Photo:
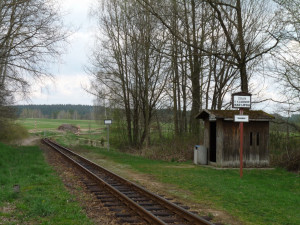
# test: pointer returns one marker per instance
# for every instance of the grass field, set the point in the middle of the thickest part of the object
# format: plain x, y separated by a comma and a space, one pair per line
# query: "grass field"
52, 124
261, 197
42, 198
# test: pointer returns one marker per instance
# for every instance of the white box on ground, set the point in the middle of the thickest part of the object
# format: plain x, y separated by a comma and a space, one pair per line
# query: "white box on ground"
200, 155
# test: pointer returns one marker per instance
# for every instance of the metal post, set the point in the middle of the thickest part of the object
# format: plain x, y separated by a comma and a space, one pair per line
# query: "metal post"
108, 123
241, 144
108, 137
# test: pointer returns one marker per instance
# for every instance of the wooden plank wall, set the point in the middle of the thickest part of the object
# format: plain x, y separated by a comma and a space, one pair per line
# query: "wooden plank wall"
228, 143
255, 155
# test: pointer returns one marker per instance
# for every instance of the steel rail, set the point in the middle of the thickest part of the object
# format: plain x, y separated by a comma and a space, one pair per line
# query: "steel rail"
131, 204
145, 214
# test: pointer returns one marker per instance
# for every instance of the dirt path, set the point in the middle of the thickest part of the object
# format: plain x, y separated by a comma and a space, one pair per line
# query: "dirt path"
30, 141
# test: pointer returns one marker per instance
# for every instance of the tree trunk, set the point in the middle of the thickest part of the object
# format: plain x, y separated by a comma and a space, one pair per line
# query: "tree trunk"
244, 77
242, 63
195, 79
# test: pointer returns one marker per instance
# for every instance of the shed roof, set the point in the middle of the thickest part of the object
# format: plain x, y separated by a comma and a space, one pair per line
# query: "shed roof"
254, 115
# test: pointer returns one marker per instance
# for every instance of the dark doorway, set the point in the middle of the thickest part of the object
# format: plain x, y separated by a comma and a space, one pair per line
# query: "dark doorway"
212, 142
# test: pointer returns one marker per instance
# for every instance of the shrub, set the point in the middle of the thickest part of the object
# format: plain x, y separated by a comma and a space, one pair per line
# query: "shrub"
176, 149
285, 151
11, 131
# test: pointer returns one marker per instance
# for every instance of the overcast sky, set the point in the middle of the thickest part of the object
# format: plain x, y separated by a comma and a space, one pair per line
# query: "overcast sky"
69, 74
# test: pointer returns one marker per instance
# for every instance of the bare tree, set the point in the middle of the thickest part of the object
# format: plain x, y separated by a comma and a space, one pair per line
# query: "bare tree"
31, 37
194, 52
128, 67
289, 15
250, 31
287, 57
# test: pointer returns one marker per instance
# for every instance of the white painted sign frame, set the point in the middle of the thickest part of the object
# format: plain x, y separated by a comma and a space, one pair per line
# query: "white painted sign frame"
240, 101
241, 118
107, 122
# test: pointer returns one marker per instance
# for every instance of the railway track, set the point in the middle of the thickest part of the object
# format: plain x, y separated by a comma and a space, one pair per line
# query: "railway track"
133, 203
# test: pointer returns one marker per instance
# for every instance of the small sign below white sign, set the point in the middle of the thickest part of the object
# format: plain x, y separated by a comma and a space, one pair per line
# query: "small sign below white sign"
107, 122
212, 118
241, 101
241, 118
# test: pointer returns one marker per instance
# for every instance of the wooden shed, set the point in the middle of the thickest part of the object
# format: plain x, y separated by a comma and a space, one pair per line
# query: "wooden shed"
222, 138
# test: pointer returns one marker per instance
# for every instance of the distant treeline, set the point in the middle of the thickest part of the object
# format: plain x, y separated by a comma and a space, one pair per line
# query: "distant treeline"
57, 111
295, 118
90, 112
84, 112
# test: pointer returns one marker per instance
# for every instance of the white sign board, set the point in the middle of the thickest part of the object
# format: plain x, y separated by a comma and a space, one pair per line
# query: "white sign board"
241, 118
212, 118
241, 101
107, 122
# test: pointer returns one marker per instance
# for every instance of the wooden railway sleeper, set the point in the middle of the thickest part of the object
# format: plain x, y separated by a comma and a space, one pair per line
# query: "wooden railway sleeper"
143, 212
127, 201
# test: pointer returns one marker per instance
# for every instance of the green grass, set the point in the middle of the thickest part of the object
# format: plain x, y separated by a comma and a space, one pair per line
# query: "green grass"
42, 198
261, 197
70, 139
42, 124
